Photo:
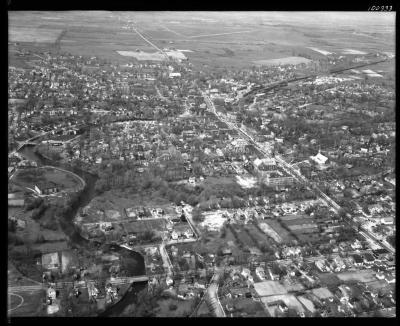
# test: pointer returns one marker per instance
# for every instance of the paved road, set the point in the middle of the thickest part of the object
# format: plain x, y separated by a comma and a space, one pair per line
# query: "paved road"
82, 284
212, 295
296, 174
152, 44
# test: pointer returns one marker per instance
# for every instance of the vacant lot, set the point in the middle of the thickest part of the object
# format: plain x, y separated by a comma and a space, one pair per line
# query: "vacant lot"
268, 288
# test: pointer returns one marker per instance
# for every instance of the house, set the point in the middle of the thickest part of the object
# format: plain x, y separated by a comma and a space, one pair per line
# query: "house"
106, 226
245, 273
320, 265
387, 220
260, 273
320, 160
358, 261
47, 188
131, 213
174, 235
368, 259
380, 253
188, 233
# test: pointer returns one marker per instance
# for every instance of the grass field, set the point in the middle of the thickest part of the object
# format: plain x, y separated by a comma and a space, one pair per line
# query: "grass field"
269, 288
35, 176
32, 305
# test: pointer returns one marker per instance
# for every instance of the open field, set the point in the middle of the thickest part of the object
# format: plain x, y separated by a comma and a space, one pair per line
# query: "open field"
40, 35
350, 51
324, 52
294, 217
269, 288
216, 39
306, 303
183, 308
362, 276
155, 56
36, 176
283, 234
322, 293
329, 279
282, 61
270, 232
244, 238
31, 305
213, 220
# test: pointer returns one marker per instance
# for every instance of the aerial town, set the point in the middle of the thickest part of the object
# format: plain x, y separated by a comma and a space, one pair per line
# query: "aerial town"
161, 187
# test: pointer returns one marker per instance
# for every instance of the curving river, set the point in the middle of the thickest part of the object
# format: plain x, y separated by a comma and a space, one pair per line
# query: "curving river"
136, 268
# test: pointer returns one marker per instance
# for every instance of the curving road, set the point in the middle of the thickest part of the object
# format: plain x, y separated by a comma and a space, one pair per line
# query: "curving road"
211, 295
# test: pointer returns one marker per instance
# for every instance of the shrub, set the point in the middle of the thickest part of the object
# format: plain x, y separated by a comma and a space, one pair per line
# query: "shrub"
173, 307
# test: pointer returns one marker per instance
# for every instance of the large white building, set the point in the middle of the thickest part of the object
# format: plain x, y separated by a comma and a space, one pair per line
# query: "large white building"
320, 161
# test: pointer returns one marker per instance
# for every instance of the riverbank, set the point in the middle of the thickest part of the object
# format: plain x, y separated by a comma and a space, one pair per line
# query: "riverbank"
134, 261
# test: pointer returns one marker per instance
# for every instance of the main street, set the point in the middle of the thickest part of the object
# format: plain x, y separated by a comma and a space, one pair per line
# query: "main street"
297, 175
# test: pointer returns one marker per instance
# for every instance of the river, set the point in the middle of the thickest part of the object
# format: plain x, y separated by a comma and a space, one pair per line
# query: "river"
136, 268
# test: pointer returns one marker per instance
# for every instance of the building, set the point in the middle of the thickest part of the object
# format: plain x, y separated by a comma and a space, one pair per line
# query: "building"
51, 261
263, 166
320, 161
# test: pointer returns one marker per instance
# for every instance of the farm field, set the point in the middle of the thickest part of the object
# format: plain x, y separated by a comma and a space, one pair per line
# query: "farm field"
269, 231
283, 234
216, 39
